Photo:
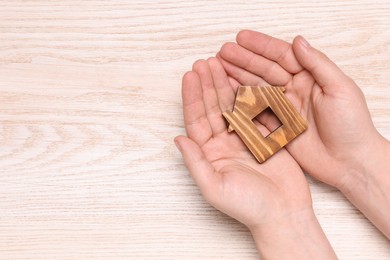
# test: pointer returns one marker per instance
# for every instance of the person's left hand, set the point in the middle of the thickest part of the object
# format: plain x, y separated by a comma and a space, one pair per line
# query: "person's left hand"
226, 172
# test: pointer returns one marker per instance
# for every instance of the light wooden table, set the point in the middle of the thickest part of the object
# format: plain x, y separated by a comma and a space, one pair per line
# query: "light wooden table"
90, 102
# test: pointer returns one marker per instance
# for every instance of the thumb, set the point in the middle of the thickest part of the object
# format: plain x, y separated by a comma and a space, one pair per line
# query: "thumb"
199, 167
325, 72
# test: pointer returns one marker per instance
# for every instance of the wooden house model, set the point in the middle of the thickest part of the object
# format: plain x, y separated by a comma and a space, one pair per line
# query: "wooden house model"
250, 102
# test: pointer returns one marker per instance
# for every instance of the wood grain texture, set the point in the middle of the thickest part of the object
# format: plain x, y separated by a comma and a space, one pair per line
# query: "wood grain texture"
89, 104
251, 102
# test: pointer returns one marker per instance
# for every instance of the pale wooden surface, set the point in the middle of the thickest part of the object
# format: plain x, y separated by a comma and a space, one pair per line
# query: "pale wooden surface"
90, 102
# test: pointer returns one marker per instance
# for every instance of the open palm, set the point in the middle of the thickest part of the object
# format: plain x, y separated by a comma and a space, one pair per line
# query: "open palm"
331, 102
226, 172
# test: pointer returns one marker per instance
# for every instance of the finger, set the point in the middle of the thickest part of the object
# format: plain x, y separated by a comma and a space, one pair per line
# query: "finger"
244, 77
195, 120
225, 93
271, 48
202, 172
234, 83
267, 69
210, 98
324, 71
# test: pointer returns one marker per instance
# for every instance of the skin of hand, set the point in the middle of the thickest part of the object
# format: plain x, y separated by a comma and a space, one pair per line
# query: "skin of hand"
341, 146
272, 199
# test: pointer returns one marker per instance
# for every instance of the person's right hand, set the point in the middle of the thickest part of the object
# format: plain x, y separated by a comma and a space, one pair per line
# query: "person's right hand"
341, 138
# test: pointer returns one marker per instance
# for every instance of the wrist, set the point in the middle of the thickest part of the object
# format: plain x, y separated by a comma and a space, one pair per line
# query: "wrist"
368, 186
294, 236
369, 167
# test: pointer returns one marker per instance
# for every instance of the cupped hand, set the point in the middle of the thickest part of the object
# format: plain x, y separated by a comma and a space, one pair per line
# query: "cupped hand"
341, 137
227, 174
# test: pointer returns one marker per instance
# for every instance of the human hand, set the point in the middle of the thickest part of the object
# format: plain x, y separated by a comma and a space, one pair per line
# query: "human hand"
341, 146
335, 146
272, 199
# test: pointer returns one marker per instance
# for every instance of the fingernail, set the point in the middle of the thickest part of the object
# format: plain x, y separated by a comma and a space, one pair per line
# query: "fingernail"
304, 42
177, 145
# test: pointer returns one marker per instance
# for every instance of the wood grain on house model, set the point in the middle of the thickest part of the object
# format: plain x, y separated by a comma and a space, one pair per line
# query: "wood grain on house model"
250, 102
